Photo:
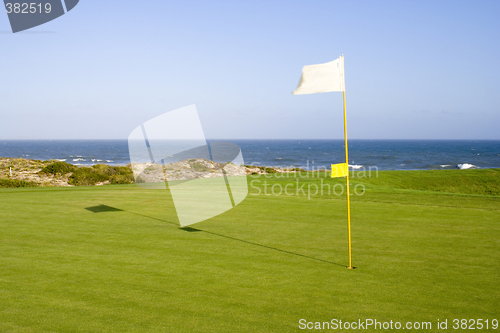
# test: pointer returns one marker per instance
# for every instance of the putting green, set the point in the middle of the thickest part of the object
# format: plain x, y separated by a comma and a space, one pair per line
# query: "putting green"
113, 258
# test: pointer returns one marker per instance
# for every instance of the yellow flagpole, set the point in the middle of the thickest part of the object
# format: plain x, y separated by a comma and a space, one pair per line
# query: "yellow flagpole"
347, 184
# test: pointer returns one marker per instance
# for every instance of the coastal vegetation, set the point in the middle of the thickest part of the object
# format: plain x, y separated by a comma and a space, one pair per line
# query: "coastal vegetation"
101, 173
16, 183
61, 168
32, 173
19, 172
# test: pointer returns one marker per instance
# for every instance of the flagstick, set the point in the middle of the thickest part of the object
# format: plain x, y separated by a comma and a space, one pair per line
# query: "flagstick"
347, 181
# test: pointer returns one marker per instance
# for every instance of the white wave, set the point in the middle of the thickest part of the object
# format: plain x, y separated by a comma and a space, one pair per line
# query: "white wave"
278, 158
355, 166
465, 166
78, 159
109, 161
445, 165
61, 160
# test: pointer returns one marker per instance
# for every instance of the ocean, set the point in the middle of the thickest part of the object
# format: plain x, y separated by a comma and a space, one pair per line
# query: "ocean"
307, 154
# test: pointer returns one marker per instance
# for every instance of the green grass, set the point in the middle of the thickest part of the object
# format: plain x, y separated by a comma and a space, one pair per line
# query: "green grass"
113, 259
451, 181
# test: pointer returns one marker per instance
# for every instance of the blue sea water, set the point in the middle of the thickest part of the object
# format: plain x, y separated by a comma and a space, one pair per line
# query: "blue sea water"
384, 154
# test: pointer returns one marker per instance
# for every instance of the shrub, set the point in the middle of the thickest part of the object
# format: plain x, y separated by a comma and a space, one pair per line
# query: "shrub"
100, 173
10, 183
86, 176
295, 169
59, 168
254, 166
269, 170
200, 167
121, 180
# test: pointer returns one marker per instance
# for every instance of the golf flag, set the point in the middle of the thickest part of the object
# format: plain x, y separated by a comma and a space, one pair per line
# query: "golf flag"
322, 78
339, 170
326, 78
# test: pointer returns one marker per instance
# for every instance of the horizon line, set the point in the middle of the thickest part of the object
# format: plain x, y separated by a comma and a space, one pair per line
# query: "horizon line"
262, 139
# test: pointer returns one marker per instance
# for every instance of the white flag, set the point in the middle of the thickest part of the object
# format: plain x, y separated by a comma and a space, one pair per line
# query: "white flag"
322, 78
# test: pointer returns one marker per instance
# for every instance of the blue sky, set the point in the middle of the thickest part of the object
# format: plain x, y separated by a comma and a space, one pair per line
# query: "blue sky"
414, 70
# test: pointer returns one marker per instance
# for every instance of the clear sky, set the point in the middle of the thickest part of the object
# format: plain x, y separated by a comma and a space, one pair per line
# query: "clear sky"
414, 70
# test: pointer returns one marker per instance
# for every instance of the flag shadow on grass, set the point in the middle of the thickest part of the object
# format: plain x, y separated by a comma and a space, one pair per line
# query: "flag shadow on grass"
264, 246
104, 208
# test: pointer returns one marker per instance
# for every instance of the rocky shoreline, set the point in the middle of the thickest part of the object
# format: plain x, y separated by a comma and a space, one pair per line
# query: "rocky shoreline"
27, 172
